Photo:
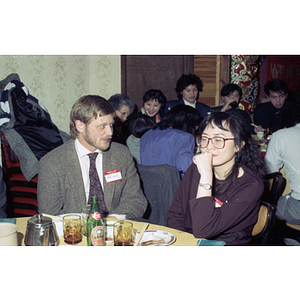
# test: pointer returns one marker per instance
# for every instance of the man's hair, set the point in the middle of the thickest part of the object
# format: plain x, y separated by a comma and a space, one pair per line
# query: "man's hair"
186, 80
87, 108
230, 88
119, 100
155, 94
277, 86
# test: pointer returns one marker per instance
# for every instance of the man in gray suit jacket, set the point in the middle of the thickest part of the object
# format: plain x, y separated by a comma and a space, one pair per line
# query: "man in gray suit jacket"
63, 184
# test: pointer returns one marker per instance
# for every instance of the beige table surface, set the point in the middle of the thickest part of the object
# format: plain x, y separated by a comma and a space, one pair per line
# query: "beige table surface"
182, 238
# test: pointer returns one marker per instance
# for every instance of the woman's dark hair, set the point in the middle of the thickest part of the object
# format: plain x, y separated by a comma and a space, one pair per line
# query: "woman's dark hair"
155, 94
186, 80
229, 88
277, 86
141, 125
182, 117
248, 155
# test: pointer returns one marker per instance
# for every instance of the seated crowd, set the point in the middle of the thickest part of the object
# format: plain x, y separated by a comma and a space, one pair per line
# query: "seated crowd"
221, 182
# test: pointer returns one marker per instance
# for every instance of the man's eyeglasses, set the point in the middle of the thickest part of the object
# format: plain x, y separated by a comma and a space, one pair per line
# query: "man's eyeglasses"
218, 142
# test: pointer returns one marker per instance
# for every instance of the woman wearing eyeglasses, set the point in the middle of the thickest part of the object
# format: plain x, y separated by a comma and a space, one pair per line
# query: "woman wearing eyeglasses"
219, 196
124, 107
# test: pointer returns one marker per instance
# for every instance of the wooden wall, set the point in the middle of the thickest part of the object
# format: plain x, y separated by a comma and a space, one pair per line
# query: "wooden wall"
214, 71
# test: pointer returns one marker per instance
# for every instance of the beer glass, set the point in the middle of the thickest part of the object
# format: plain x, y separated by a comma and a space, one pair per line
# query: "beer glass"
72, 229
123, 233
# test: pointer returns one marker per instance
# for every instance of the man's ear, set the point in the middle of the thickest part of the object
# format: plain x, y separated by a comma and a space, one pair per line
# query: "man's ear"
79, 125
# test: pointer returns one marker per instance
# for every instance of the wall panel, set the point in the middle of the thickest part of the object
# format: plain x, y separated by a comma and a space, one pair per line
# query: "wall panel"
59, 80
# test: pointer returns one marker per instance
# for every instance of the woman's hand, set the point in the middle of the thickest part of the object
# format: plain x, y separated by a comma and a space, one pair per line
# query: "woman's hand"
227, 101
258, 129
203, 162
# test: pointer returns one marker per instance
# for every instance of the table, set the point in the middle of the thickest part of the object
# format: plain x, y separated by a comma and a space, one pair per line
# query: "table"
182, 238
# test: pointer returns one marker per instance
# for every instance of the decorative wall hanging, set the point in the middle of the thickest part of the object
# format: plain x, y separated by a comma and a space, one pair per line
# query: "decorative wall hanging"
245, 72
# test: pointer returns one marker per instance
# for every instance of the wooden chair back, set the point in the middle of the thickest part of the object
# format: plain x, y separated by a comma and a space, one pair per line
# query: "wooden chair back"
275, 185
262, 231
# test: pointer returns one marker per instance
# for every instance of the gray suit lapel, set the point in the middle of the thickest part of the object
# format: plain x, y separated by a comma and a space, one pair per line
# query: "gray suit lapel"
109, 188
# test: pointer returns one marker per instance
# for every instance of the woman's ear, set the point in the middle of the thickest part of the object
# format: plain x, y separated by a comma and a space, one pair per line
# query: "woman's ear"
238, 148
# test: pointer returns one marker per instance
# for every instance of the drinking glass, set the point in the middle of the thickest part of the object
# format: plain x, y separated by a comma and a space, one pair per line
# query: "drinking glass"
260, 135
72, 229
84, 215
123, 233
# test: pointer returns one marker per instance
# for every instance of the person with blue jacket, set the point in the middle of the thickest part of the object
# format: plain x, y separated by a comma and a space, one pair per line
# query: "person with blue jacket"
172, 140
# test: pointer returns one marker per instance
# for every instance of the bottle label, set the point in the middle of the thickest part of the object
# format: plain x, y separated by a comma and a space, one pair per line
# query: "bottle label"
95, 215
98, 236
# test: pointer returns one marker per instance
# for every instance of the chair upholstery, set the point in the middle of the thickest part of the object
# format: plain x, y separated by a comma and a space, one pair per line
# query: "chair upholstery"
159, 184
275, 186
262, 231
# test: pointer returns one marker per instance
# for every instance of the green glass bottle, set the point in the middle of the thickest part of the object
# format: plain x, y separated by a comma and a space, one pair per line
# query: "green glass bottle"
95, 226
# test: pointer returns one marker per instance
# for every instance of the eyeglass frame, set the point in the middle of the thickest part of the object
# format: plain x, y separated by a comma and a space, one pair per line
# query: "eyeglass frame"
125, 114
210, 139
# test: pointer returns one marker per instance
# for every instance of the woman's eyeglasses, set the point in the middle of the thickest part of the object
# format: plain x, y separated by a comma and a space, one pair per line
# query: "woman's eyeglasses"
218, 142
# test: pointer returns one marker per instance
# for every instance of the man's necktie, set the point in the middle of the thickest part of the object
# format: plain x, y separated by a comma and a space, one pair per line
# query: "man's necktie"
95, 185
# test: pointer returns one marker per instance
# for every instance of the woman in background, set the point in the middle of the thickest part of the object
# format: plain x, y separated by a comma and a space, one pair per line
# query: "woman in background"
219, 197
187, 89
153, 106
124, 107
172, 141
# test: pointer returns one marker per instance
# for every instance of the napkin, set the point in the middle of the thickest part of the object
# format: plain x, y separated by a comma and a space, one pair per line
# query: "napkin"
59, 227
210, 243
118, 216
8, 220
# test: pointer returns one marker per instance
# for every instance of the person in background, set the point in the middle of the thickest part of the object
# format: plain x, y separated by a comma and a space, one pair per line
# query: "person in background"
231, 95
124, 107
219, 196
64, 181
153, 106
138, 127
267, 115
188, 88
3, 199
283, 151
172, 141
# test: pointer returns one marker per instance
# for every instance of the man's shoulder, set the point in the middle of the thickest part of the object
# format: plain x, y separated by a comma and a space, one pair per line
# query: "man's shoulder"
117, 148
263, 106
287, 132
60, 150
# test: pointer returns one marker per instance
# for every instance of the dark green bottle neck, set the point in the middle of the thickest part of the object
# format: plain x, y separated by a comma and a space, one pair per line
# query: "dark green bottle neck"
94, 205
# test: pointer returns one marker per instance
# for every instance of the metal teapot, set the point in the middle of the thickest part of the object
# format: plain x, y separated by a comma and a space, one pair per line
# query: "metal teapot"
40, 231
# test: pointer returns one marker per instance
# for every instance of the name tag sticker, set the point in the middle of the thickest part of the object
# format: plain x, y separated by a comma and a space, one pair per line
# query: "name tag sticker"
218, 203
113, 175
